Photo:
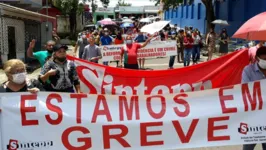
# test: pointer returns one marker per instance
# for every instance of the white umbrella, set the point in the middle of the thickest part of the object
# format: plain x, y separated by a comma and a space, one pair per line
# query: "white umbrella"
154, 27
127, 21
221, 22
147, 20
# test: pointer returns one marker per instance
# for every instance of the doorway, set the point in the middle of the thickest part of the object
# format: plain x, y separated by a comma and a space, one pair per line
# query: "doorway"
11, 42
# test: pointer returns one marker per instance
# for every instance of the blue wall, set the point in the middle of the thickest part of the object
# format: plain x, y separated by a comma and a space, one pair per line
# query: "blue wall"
236, 12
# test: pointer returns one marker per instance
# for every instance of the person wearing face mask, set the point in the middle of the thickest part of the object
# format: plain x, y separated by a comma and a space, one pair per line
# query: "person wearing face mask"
41, 56
60, 72
141, 38
17, 80
106, 40
172, 58
92, 52
81, 43
224, 39
254, 72
210, 42
252, 52
129, 53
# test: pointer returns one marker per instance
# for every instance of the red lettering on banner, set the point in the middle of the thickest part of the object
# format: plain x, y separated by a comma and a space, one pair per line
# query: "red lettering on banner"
134, 103
224, 98
24, 110
150, 110
54, 108
144, 134
178, 128
183, 102
212, 128
118, 137
78, 97
252, 101
85, 140
105, 111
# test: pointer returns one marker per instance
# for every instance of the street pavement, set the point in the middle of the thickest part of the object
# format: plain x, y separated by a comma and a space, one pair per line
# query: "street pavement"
156, 64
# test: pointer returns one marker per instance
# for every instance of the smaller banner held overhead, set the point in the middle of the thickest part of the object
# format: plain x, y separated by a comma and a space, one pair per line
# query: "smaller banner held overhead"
156, 49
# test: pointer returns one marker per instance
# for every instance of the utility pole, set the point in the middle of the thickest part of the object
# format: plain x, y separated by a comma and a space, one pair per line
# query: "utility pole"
47, 26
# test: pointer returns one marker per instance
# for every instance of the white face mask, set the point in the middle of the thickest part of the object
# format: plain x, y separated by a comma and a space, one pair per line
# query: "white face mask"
262, 63
129, 41
19, 78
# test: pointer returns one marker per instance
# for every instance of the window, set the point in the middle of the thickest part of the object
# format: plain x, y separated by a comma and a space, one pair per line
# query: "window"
230, 11
187, 11
173, 11
182, 11
199, 10
176, 13
192, 11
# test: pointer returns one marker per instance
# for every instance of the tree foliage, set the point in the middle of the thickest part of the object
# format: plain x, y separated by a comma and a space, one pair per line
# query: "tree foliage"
123, 3
105, 3
72, 8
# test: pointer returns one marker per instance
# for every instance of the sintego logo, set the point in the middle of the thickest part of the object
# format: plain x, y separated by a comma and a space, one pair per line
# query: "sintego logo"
245, 128
15, 145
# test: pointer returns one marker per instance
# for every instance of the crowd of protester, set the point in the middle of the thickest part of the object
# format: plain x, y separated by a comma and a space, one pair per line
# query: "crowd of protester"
59, 74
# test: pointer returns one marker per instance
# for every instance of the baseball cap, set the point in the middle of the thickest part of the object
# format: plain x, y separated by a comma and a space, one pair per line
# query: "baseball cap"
59, 46
105, 29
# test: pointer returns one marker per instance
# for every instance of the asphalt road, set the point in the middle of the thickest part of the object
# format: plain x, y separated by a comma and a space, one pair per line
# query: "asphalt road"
156, 64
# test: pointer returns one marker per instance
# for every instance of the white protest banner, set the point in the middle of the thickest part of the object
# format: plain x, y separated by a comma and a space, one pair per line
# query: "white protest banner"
154, 49
231, 115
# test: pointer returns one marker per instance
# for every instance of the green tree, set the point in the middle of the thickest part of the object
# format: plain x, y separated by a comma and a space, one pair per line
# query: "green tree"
209, 4
72, 8
105, 3
123, 3
94, 5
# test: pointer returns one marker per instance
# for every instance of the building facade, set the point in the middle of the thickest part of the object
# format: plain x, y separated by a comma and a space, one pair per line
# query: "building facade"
236, 12
17, 28
125, 11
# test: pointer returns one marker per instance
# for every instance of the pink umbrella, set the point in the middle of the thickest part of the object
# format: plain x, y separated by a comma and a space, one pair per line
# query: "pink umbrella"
106, 21
253, 29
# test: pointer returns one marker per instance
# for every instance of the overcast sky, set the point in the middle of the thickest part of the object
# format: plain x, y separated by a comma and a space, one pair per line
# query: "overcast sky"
133, 2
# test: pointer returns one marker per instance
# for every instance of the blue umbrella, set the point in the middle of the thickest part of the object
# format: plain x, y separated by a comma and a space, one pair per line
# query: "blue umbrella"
126, 25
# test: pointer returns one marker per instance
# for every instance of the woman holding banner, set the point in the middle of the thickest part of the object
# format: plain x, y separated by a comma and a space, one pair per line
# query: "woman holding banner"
188, 44
17, 81
129, 53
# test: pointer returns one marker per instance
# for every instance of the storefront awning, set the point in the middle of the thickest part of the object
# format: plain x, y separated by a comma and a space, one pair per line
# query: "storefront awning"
21, 13
151, 11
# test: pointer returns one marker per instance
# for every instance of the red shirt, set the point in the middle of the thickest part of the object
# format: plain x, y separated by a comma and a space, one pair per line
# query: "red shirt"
188, 42
130, 53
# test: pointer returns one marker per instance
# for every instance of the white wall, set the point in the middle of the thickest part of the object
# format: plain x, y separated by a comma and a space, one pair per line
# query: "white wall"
63, 25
